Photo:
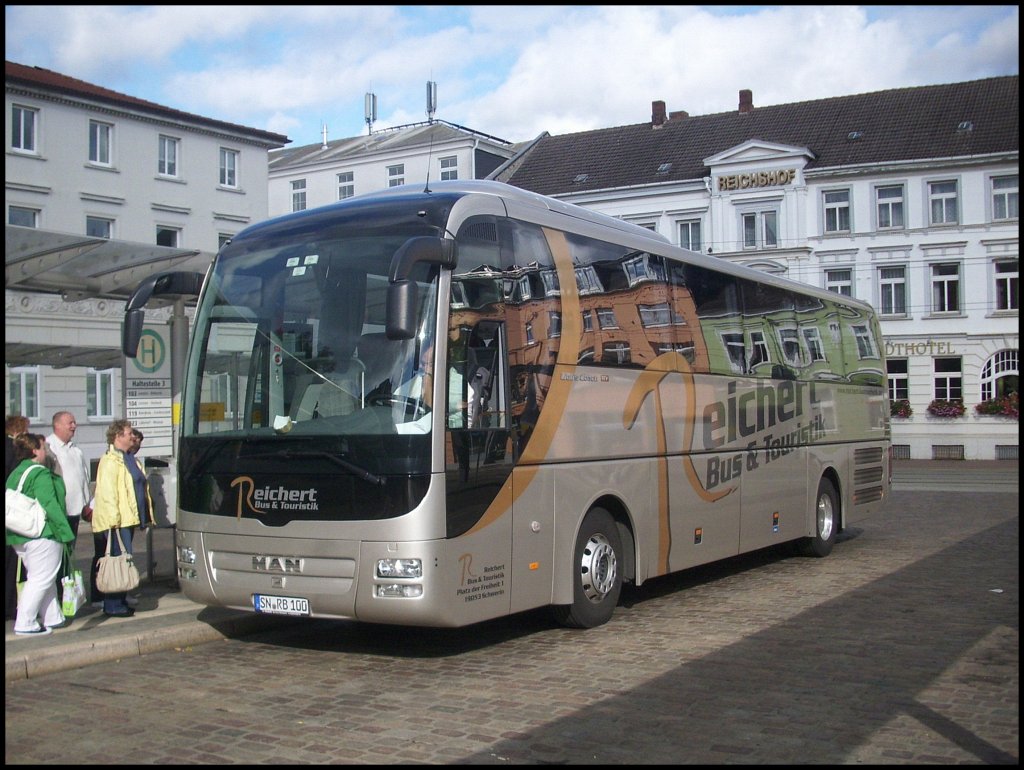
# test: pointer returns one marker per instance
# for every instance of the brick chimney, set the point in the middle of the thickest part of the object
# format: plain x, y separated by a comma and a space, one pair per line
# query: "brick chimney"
657, 114
746, 100
678, 115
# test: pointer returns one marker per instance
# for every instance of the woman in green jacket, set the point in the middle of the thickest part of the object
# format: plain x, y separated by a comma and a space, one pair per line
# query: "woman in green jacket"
43, 555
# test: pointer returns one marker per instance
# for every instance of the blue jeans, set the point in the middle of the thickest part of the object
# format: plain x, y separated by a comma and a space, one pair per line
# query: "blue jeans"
113, 604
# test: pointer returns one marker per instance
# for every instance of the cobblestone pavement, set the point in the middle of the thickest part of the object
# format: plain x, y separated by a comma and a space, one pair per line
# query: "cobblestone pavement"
902, 647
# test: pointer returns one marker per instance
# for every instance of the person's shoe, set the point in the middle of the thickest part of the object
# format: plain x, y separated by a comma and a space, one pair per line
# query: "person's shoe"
131, 601
62, 624
40, 631
98, 604
126, 614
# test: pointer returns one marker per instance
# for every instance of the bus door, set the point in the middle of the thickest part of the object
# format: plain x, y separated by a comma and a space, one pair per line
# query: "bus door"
478, 449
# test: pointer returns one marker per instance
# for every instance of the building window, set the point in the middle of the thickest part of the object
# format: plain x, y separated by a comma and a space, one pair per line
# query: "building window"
889, 205
554, 324
587, 281
1000, 376
899, 378
299, 195
789, 341
837, 211
689, 234
550, 280
1007, 273
449, 168
615, 353
23, 392
657, 315
228, 167
949, 382
167, 236
346, 184
606, 318
893, 290
942, 202
23, 217
946, 288
98, 227
758, 350
1004, 197
760, 230
396, 175
736, 351
99, 386
23, 128
588, 321
840, 281
100, 135
865, 342
643, 268
167, 163
812, 338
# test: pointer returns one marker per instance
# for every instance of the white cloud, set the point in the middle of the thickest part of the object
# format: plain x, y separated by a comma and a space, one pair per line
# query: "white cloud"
510, 71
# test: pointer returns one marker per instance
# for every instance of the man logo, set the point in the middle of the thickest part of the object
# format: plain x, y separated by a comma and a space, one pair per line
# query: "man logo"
287, 564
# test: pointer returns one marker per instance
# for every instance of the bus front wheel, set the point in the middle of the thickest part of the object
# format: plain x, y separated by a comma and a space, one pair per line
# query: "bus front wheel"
826, 521
597, 573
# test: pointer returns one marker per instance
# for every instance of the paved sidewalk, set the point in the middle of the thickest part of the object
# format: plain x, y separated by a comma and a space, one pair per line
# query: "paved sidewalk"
165, 619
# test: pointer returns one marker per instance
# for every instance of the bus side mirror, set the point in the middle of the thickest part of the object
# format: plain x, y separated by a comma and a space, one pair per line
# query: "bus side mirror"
401, 298
161, 284
401, 309
132, 331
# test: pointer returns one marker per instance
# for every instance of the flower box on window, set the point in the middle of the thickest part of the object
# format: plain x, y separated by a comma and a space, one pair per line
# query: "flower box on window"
900, 408
941, 407
1004, 406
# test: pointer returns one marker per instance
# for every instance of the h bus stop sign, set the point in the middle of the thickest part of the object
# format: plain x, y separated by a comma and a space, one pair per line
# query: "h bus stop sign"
148, 405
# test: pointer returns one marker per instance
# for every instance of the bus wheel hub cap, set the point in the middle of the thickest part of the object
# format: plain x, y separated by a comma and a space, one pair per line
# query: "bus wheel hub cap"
598, 568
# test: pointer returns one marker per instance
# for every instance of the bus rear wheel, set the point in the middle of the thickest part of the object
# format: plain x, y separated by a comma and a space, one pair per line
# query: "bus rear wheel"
826, 521
597, 573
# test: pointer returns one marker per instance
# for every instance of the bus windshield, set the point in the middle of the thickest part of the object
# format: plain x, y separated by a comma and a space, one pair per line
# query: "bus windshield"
290, 343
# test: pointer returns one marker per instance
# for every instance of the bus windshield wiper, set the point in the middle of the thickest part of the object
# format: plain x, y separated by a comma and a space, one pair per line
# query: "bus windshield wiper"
338, 460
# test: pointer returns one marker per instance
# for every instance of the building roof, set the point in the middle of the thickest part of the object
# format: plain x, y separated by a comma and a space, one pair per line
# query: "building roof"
975, 118
47, 80
398, 138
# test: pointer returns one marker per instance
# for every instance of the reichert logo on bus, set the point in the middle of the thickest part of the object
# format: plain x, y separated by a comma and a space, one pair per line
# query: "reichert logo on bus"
260, 500
726, 421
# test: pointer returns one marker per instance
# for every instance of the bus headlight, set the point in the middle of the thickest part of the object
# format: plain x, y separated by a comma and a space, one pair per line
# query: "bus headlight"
399, 568
398, 591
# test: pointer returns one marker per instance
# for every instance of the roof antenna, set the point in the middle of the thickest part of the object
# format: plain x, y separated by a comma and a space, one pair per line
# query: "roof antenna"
370, 109
431, 109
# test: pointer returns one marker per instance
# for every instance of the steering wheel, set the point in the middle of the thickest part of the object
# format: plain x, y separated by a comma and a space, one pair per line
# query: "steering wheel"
412, 406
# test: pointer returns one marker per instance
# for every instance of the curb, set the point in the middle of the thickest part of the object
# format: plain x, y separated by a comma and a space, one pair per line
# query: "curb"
34, 663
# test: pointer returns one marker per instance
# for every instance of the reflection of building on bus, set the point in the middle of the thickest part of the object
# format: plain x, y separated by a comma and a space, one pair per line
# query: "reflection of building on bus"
599, 407
887, 197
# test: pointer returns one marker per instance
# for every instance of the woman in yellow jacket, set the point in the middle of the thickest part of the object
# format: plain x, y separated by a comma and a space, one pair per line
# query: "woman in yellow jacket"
122, 501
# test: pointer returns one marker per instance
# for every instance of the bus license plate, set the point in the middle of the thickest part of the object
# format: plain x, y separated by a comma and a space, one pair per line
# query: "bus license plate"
280, 605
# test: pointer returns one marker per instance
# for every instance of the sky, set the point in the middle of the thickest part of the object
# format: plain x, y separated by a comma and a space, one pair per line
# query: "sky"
509, 71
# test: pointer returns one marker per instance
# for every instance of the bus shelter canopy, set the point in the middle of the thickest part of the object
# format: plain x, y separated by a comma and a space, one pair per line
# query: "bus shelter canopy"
78, 267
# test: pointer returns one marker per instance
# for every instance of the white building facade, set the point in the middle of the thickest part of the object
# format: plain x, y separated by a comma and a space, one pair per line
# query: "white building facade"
84, 166
315, 175
931, 241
